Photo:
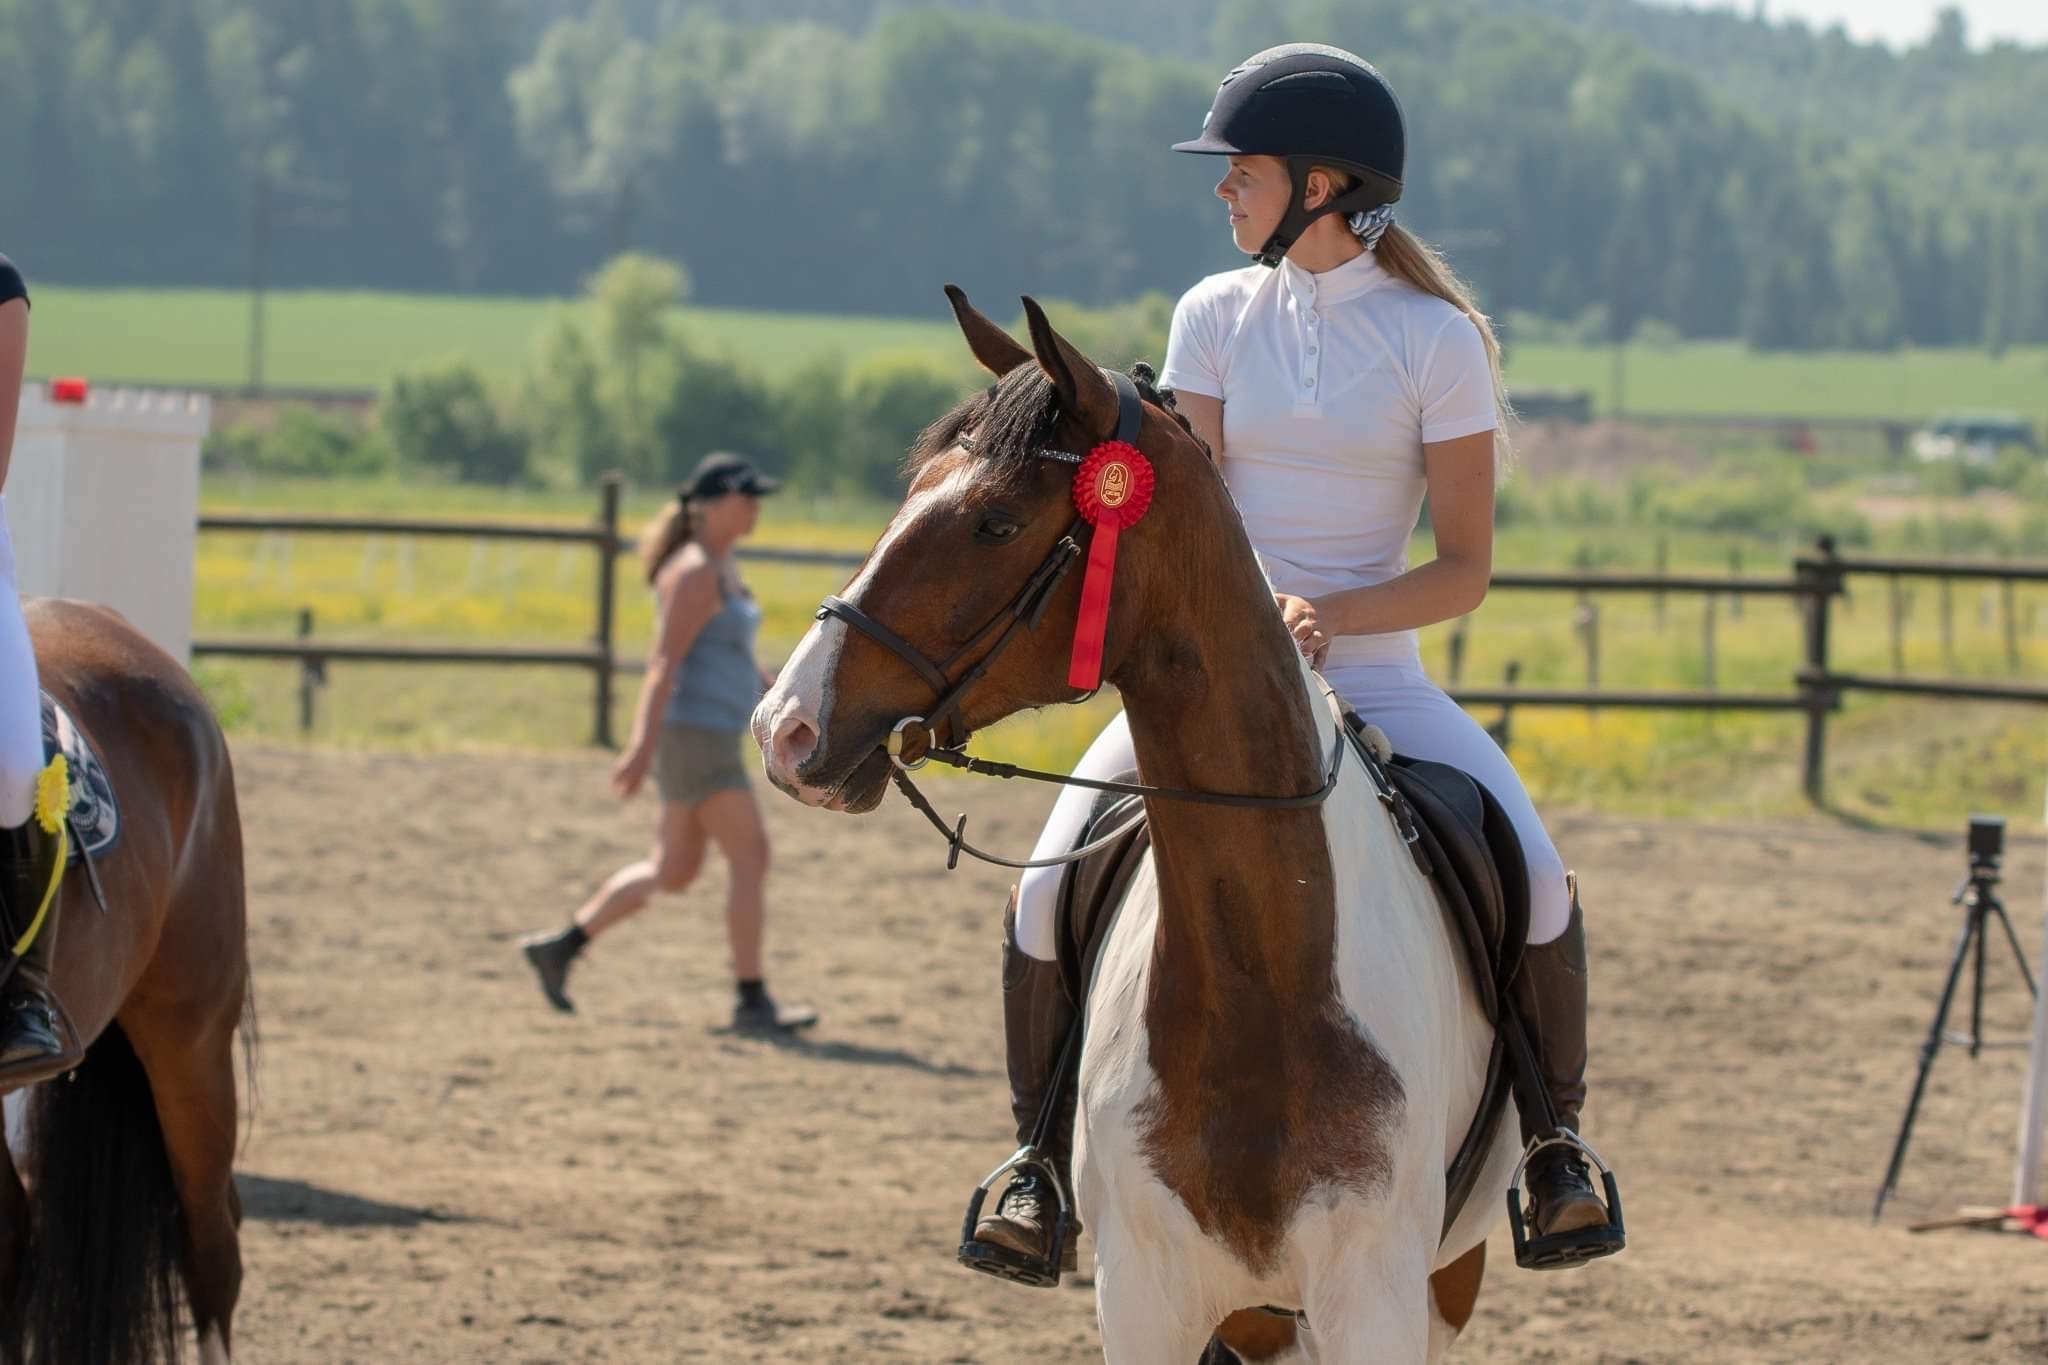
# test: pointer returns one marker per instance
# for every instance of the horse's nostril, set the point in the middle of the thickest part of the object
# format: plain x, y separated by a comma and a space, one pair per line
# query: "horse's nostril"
794, 742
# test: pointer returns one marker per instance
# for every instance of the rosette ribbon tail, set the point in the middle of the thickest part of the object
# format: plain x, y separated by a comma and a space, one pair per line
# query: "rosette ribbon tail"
1084, 671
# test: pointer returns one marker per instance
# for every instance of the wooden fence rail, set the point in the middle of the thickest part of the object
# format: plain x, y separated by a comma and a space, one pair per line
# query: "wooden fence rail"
1817, 580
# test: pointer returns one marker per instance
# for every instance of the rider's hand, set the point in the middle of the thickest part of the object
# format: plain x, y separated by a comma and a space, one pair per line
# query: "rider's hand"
631, 769
1299, 614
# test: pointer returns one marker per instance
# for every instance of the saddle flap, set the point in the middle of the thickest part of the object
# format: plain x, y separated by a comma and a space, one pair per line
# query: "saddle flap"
1091, 889
1480, 851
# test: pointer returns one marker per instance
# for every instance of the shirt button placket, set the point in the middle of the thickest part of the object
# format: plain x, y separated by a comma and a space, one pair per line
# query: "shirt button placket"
1311, 361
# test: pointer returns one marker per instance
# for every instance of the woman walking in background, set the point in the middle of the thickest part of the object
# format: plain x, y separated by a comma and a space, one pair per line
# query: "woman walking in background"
698, 696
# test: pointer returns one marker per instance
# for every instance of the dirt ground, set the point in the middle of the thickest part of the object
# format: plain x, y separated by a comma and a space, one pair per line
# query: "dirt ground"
440, 1169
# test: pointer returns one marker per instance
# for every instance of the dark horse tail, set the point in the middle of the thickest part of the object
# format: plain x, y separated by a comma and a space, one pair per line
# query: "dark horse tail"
97, 1277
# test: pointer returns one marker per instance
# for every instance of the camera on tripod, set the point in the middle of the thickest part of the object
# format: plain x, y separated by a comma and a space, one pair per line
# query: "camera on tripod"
1987, 842
1978, 895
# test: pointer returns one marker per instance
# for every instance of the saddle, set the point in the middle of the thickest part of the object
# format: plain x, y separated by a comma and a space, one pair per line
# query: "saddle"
1460, 838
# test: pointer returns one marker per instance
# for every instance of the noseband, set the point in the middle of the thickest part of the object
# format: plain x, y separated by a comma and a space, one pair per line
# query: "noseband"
1024, 611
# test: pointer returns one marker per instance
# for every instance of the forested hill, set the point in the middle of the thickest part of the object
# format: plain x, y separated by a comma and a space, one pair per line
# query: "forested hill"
1590, 159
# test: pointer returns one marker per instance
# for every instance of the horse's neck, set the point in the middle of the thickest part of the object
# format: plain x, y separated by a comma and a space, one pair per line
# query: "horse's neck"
1246, 897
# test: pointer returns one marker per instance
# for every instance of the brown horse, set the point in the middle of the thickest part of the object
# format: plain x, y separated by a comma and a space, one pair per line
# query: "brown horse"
120, 1177
1283, 1048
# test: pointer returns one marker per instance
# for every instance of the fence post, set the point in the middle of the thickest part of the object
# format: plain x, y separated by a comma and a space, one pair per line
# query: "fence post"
1898, 604
607, 582
1735, 571
1455, 646
312, 672
1707, 647
1948, 626
1663, 570
2012, 625
1588, 622
1502, 729
1820, 580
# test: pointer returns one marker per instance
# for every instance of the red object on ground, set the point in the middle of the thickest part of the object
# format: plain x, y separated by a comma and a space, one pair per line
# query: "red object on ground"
69, 390
1112, 490
2032, 1218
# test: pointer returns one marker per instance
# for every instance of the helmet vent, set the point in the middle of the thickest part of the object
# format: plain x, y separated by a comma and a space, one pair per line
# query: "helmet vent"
1328, 80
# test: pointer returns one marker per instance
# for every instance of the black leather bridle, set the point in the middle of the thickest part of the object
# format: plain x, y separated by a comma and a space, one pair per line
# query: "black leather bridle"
1023, 612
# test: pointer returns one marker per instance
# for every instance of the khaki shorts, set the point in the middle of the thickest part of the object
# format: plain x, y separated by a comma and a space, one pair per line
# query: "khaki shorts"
691, 764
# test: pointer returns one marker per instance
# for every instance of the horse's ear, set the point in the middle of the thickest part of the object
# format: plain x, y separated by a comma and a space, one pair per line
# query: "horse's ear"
1085, 392
992, 346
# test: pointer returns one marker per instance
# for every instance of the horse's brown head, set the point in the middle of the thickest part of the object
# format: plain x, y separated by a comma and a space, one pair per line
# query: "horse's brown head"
965, 610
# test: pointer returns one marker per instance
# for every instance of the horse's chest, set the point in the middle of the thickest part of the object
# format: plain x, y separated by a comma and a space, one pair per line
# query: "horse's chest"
1243, 1115
1246, 1136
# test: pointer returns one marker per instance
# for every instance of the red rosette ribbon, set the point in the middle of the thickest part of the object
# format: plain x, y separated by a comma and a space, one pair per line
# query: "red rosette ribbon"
1112, 491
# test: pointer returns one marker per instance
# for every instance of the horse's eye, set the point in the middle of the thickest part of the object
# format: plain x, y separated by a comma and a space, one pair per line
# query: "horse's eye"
997, 529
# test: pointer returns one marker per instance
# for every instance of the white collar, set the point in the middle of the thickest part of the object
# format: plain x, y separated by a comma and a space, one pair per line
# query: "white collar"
1363, 272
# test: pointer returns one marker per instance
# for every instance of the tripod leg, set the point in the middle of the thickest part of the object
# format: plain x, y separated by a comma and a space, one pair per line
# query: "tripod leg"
1927, 1051
1977, 983
2018, 954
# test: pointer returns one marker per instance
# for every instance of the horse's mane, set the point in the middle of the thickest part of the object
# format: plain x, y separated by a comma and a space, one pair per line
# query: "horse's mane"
1014, 418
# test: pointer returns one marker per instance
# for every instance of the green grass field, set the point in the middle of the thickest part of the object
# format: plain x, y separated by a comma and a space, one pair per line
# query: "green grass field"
1892, 762
358, 340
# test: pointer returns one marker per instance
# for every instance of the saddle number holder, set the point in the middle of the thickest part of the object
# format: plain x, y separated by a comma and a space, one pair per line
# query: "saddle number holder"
1038, 1272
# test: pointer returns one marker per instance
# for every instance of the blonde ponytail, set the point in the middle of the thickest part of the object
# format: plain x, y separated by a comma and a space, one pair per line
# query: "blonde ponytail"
1409, 258
666, 534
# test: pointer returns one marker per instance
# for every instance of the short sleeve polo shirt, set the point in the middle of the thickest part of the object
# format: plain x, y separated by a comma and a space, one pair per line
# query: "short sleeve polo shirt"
1331, 385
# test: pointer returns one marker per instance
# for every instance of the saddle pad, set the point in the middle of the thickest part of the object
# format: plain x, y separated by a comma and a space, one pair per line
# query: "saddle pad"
95, 817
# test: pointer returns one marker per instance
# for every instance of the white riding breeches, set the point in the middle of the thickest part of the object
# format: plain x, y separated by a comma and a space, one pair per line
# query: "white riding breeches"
21, 724
1419, 719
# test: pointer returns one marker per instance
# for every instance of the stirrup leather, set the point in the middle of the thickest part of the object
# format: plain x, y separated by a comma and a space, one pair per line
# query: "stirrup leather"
53, 802
1565, 1250
1000, 1261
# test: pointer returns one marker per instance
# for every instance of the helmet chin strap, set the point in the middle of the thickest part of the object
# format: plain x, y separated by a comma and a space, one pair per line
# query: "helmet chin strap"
1358, 199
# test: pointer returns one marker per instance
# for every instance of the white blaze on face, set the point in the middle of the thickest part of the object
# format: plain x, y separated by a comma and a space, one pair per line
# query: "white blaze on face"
790, 722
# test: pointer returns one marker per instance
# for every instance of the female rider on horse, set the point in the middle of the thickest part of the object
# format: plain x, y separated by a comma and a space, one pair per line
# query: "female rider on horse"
1336, 382
36, 1038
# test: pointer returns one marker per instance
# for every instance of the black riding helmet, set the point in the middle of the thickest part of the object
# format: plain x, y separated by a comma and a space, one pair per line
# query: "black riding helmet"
1310, 105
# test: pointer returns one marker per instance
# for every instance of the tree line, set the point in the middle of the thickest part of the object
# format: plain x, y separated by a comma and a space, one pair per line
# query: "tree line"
1596, 163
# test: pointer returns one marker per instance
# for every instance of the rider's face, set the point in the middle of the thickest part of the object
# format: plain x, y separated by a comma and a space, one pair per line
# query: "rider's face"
1256, 190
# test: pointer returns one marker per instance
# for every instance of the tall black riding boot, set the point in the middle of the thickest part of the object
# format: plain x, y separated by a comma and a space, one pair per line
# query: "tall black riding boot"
37, 1040
1017, 1240
1550, 995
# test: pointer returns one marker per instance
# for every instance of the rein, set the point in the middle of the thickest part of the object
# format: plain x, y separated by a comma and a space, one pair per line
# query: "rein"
982, 767
1024, 611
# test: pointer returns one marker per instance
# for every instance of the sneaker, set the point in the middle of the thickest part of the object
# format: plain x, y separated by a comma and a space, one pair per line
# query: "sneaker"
765, 1016
550, 955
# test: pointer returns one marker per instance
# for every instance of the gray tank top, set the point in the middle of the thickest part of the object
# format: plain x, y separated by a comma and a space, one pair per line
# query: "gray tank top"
718, 683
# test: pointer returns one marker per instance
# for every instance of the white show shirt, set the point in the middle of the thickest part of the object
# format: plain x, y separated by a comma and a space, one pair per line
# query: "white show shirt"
1331, 384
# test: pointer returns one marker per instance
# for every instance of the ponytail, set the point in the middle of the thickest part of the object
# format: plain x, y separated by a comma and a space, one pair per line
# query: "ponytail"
666, 534
1407, 257
1410, 259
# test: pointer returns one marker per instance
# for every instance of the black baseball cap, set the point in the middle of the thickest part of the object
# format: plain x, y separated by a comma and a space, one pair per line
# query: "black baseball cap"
721, 472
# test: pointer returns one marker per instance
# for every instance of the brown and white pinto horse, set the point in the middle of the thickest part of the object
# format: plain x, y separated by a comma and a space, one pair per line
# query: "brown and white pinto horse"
1282, 1048
117, 1181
